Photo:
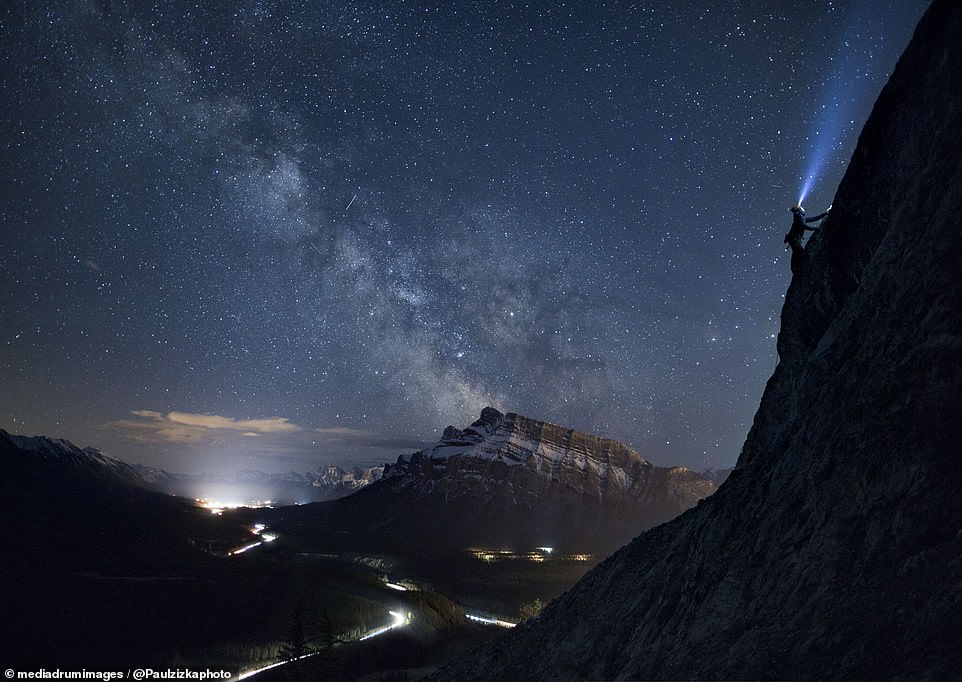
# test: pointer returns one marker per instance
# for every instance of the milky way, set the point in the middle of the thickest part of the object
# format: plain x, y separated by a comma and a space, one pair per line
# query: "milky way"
272, 234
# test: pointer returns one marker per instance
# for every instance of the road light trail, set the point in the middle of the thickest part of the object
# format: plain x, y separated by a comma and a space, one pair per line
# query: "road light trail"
257, 530
400, 620
490, 621
243, 549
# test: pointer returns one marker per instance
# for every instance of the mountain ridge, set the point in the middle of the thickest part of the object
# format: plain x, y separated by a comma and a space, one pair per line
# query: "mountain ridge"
327, 482
62, 456
510, 481
31, 453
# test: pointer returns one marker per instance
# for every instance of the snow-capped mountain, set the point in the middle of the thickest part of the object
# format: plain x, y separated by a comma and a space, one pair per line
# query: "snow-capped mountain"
345, 481
36, 456
33, 457
515, 482
63, 505
327, 483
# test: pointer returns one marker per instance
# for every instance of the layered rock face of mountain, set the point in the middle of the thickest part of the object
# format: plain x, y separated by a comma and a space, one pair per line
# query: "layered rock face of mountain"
525, 483
834, 551
345, 481
508, 481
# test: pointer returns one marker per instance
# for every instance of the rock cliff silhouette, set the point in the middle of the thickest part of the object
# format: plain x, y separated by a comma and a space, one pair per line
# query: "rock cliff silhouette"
835, 548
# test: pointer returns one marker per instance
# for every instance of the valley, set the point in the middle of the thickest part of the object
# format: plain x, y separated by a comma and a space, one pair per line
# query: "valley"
231, 602
404, 573
258, 254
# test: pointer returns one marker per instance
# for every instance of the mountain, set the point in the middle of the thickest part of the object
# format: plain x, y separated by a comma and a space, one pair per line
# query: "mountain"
335, 478
508, 481
99, 569
719, 476
69, 510
834, 550
26, 457
39, 463
329, 482
56, 496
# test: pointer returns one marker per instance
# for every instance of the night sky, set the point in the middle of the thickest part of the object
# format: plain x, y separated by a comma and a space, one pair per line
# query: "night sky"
274, 234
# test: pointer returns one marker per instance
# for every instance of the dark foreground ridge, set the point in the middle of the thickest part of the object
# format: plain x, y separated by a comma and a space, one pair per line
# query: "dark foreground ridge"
835, 550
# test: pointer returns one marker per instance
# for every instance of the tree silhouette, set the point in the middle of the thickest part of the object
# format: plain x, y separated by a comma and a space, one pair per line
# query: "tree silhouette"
325, 637
296, 644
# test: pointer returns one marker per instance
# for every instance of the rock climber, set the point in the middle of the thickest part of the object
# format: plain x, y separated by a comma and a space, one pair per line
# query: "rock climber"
794, 237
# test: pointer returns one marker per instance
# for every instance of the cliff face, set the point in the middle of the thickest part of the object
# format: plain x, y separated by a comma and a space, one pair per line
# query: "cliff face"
835, 549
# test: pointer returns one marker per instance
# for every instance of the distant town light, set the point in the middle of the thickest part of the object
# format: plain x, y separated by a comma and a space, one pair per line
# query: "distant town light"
537, 555
218, 507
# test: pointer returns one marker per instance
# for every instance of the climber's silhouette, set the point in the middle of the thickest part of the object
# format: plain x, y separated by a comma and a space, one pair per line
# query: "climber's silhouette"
797, 231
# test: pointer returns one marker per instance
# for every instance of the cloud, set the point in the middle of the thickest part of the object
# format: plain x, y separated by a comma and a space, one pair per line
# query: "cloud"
368, 439
341, 433
274, 435
191, 428
213, 421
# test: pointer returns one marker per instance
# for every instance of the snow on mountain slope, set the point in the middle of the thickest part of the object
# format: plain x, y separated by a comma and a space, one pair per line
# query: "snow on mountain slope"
39, 455
511, 481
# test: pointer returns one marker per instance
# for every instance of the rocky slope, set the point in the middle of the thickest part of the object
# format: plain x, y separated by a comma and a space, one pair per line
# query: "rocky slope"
508, 481
835, 548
